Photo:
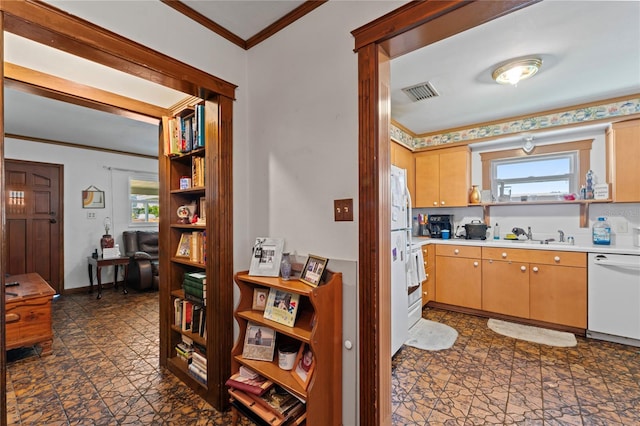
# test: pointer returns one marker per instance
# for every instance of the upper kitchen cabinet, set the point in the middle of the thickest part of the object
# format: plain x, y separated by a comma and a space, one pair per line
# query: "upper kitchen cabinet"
402, 157
623, 151
443, 177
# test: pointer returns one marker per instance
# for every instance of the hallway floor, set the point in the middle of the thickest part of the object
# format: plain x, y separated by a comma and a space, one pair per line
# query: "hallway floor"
489, 379
104, 371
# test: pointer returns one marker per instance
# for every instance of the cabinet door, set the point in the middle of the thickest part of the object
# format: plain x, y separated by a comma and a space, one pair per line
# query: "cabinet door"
623, 151
459, 281
429, 284
505, 288
559, 294
402, 157
427, 180
454, 178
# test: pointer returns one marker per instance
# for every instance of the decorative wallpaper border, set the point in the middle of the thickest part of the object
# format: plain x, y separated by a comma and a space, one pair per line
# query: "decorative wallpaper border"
579, 115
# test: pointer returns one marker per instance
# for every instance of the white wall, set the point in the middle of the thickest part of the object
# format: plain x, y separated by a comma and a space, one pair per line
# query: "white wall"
83, 168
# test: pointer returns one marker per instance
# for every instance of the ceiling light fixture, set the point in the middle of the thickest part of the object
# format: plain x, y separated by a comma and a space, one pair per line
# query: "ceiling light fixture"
516, 71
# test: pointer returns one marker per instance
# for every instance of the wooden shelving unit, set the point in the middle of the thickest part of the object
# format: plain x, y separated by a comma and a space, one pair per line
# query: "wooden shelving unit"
218, 266
323, 395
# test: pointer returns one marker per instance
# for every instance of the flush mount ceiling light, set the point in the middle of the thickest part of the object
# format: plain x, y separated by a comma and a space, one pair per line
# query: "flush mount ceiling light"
516, 71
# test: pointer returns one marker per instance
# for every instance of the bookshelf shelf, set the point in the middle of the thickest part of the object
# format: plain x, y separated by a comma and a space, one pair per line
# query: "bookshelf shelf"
188, 248
318, 324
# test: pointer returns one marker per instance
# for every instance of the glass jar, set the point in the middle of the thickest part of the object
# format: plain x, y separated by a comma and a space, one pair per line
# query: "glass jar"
285, 267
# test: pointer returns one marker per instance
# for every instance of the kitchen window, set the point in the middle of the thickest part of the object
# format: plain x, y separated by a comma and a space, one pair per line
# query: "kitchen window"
547, 174
144, 200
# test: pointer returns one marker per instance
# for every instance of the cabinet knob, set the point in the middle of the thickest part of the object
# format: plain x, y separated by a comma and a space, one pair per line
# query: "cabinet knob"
504, 255
442, 202
435, 203
534, 269
426, 277
475, 264
348, 344
557, 258
523, 268
456, 251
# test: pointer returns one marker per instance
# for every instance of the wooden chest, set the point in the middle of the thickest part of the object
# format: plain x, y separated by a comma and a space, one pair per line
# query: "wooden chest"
28, 312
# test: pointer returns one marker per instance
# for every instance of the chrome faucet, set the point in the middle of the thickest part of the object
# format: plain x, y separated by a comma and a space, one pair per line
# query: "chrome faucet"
561, 235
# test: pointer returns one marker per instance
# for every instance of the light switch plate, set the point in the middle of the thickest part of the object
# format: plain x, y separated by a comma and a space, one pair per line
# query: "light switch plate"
343, 210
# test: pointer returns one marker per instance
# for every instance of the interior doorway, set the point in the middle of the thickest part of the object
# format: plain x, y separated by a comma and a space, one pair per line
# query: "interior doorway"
34, 220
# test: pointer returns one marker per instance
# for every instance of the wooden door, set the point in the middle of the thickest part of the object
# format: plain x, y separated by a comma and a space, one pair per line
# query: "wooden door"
505, 288
427, 180
559, 294
34, 220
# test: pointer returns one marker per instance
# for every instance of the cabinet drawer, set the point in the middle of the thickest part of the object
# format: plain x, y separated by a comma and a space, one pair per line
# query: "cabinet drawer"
458, 251
545, 257
28, 321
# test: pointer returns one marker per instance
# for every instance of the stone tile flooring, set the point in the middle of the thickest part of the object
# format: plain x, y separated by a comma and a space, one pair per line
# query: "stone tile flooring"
489, 379
104, 371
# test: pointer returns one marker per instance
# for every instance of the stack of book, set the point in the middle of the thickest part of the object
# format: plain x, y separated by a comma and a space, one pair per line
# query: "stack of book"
249, 381
195, 287
198, 366
184, 349
275, 406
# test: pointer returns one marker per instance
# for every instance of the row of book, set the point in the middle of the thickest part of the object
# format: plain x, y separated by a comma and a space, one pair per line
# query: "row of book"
271, 402
198, 172
190, 316
185, 133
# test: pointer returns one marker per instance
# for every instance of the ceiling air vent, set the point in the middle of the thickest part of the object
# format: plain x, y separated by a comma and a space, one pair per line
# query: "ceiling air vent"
421, 91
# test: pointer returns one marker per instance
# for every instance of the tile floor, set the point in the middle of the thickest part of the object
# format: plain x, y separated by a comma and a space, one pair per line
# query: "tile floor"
489, 379
104, 371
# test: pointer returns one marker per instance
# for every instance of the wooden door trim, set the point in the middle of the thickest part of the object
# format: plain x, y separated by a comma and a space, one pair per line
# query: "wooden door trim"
60, 214
408, 28
3, 263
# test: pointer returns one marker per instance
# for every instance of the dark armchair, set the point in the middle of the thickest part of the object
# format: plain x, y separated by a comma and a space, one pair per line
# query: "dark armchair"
142, 249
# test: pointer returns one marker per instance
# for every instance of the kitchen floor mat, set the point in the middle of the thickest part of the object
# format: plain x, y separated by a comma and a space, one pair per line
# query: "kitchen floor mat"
532, 334
431, 336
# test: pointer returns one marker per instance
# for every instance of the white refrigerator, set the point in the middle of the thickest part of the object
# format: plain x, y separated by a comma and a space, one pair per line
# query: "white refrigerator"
400, 255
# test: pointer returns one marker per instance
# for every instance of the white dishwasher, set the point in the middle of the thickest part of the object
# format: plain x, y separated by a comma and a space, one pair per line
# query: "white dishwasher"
614, 298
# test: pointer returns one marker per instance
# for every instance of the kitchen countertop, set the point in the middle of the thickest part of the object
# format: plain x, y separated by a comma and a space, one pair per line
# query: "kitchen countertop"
587, 248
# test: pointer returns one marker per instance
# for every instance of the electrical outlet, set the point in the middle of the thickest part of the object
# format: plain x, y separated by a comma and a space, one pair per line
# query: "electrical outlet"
91, 215
343, 210
621, 227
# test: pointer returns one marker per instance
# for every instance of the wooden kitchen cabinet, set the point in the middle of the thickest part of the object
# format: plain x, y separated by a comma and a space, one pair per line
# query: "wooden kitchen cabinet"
543, 285
443, 177
402, 157
623, 151
429, 284
459, 278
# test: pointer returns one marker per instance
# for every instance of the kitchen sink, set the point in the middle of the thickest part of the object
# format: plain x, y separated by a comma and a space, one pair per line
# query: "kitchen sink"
543, 242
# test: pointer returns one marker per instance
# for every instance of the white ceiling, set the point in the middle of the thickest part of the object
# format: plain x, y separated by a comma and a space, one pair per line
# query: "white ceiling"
591, 51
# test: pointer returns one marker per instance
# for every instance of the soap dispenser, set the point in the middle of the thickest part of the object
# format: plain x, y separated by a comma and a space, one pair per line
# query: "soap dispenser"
496, 232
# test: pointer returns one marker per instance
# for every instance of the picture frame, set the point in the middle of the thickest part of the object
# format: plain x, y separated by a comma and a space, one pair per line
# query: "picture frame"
282, 306
304, 365
313, 270
260, 296
266, 257
92, 198
184, 246
259, 342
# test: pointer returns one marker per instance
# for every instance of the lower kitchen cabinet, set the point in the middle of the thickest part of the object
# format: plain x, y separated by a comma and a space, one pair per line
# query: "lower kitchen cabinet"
429, 284
505, 287
459, 278
559, 294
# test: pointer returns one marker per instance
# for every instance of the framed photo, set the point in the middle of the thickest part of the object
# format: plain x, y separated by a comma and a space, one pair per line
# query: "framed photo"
313, 270
184, 246
282, 307
304, 365
266, 257
260, 298
259, 342
92, 198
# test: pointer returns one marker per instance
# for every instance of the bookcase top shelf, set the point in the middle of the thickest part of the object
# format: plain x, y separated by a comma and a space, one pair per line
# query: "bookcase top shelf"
291, 286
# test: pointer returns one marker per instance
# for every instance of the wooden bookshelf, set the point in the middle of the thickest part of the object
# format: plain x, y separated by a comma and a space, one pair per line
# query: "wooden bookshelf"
323, 334
214, 165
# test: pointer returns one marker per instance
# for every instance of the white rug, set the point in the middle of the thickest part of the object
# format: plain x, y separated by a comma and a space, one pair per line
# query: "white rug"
533, 334
431, 335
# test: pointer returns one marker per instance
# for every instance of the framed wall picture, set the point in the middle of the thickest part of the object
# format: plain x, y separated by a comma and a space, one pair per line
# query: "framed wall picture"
313, 270
92, 198
266, 257
304, 365
259, 342
260, 296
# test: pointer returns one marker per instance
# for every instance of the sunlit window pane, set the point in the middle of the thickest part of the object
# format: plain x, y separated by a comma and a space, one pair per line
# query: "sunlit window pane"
145, 201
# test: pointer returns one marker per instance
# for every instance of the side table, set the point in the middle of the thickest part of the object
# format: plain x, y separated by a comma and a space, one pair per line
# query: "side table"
100, 263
